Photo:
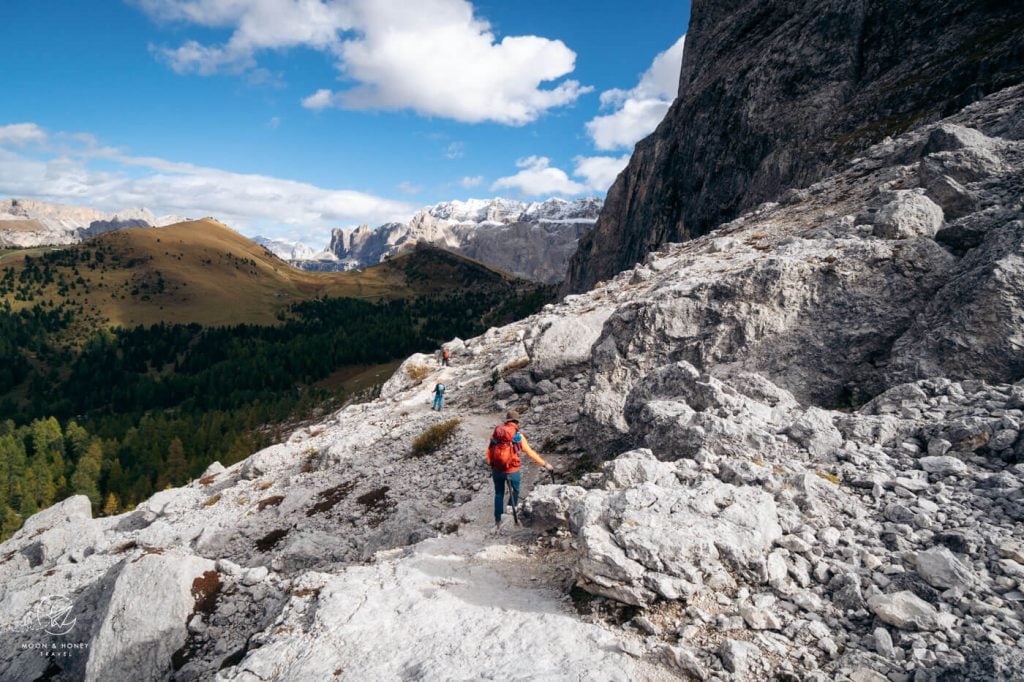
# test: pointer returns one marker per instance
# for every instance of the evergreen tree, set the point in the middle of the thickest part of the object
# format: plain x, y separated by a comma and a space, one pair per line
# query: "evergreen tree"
85, 480
176, 470
111, 505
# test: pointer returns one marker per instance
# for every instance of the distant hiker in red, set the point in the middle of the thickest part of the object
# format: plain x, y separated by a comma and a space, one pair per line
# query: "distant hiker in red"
507, 442
444, 357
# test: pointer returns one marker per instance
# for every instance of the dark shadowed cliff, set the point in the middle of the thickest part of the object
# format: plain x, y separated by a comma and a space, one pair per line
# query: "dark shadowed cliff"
774, 94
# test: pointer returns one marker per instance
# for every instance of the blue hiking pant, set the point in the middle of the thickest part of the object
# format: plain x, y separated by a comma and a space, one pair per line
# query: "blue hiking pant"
499, 491
438, 401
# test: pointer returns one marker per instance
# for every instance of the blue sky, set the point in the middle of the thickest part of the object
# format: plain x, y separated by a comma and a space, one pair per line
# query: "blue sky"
290, 117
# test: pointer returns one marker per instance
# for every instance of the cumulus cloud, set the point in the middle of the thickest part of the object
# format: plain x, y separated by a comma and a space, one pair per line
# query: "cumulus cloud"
435, 57
538, 177
21, 134
638, 111
599, 172
81, 172
406, 187
471, 181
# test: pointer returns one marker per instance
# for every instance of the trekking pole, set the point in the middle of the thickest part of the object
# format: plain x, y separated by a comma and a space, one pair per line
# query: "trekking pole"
512, 501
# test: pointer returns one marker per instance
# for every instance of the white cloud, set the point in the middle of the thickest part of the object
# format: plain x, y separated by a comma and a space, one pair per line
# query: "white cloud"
471, 181
432, 56
638, 111
274, 123
537, 178
255, 204
599, 172
409, 188
456, 150
321, 99
21, 134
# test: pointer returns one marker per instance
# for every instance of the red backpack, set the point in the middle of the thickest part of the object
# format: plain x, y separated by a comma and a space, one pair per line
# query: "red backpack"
504, 453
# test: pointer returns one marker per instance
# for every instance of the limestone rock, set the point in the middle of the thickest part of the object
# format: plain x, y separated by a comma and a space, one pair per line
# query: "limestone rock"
909, 214
737, 655
564, 342
907, 611
943, 465
149, 606
814, 430
941, 569
66, 512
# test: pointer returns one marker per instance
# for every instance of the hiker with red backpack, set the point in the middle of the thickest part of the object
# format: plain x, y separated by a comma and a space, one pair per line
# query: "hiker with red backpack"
507, 442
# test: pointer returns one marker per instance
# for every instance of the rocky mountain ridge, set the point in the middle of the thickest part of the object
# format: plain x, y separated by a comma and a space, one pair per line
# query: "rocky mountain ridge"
28, 223
288, 250
773, 466
531, 240
774, 96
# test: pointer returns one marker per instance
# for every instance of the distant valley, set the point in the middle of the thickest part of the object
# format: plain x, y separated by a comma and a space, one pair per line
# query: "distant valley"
162, 350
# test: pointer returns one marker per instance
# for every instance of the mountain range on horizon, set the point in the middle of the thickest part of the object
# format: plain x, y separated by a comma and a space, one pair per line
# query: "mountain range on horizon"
533, 240
28, 223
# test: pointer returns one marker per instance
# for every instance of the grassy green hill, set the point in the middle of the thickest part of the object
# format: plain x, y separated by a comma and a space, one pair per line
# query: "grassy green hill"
204, 272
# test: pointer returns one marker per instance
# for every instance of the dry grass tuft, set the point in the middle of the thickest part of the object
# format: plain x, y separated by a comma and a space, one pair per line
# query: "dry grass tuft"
434, 438
272, 501
831, 478
417, 372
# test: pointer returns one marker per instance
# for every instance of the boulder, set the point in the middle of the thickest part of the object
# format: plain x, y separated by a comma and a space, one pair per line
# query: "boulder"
907, 215
563, 342
940, 568
548, 505
668, 529
151, 601
942, 465
950, 137
815, 431
907, 611
684, 660
636, 467
737, 655
73, 509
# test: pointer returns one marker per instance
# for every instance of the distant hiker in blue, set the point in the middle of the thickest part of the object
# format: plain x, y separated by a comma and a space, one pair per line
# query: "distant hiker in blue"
438, 397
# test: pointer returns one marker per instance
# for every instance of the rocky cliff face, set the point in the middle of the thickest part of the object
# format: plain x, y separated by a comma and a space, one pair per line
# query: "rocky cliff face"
776, 95
772, 467
26, 223
533, 241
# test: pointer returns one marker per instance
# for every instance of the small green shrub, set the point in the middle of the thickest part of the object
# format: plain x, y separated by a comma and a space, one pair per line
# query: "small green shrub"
434, 438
